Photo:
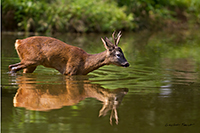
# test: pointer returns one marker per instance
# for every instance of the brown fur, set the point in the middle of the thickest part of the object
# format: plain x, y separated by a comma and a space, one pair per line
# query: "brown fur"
67, 59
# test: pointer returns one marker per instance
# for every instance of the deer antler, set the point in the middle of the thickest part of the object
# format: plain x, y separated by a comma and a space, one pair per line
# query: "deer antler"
116, 40
114, 115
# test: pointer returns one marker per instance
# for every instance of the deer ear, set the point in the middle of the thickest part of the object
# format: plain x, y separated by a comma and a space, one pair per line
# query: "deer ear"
107, 44
104, 43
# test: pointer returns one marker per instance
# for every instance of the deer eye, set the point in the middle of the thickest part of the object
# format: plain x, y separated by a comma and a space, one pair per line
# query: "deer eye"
118, 55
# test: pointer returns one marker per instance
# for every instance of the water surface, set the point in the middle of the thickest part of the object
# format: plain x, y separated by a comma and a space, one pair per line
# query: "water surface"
159, 92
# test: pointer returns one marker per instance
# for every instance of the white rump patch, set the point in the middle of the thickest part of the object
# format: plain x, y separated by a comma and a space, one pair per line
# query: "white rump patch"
17, 44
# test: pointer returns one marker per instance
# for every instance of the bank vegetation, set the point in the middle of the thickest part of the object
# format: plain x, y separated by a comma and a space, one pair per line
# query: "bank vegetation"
83, 16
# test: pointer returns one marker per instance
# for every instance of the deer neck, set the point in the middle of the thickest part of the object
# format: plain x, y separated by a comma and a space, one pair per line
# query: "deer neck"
95, 61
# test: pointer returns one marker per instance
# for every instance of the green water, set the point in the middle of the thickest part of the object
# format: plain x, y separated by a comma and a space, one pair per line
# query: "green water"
159, 92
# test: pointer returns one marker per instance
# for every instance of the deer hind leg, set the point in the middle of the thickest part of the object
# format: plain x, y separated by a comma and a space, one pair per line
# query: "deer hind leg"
28, 66
13, 65
16, 67
29, 69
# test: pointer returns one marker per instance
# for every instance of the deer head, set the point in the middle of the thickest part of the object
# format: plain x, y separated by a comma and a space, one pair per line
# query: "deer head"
114, 53
112, 102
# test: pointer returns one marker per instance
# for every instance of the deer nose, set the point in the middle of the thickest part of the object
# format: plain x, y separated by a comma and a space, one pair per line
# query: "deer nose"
126, 64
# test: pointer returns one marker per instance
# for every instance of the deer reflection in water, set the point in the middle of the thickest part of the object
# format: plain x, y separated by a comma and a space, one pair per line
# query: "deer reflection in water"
44, 97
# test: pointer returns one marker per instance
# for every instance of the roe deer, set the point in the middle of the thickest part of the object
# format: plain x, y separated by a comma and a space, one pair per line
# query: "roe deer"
67, 59
44, 97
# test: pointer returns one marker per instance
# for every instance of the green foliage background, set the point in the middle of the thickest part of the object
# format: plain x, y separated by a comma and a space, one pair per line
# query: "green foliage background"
95, 15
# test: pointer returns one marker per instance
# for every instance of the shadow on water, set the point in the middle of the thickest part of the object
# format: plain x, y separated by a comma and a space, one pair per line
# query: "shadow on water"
44, 97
